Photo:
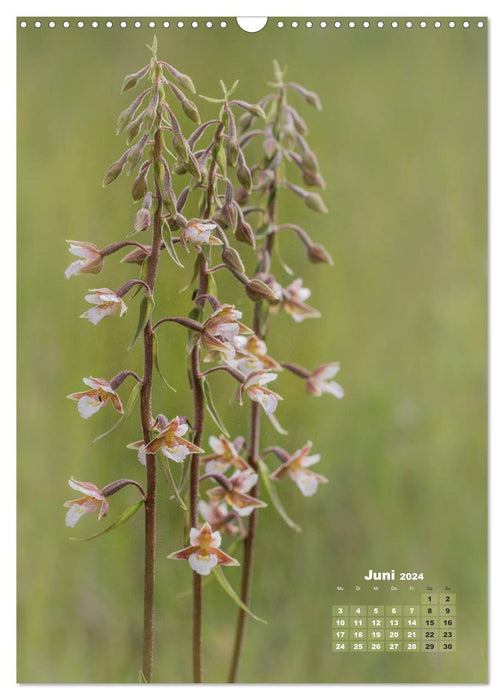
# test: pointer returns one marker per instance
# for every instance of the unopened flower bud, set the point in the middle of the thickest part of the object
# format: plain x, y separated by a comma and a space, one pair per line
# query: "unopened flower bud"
232, 259
193, 167
135, 154
137, 256
139, 187
309, 161
148, 119
232, 148
191, 110
142, 220
313, 179
244, 233
255, 110
318, 254
131, 80
183, 80
219, 156
257, 290
314, 201
243, 173
112, 172
311, 97
180, 145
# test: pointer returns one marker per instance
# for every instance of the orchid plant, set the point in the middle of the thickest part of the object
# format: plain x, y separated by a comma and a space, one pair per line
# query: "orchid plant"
237, 200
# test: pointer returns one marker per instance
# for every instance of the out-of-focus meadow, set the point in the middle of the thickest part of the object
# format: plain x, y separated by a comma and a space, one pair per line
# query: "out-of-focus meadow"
401, 142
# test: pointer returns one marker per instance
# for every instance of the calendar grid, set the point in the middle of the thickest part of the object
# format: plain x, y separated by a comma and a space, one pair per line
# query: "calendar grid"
426, 625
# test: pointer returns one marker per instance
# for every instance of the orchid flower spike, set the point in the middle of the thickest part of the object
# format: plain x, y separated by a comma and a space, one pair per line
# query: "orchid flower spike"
297, 468
204, 553
318, 382
92, 501
96, 397
105, 302
91, 259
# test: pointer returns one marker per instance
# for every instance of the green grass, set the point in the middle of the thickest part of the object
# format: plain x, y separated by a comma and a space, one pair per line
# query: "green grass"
401, 142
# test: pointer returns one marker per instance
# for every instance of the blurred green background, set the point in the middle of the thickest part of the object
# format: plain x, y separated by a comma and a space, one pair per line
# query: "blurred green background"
402, 145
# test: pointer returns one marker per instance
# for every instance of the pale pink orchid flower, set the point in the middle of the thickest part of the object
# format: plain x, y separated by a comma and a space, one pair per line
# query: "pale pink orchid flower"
256, 391
252, 355
91, 259
171, 443
293, 300
105, 303
297, 468
237, 496
318, 382
96, 397
216, 514
198, 233
92, 501
225, 454
204, 554
221, 328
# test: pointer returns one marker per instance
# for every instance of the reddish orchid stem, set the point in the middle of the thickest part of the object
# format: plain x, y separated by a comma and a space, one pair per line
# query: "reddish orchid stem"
199, 419
147, 423
248, 544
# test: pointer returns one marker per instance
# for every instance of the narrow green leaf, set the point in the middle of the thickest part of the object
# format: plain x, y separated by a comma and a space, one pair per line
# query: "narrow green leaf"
141, 677
146, 306
212, 286
165, 464
156, 361
194, 275
274, 497
144, 267
170, 248
213, 100
126, 515
219, 575
211, 407
130, 404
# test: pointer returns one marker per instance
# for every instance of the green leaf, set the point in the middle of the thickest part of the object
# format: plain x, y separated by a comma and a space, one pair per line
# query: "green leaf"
144, 267
274, 496
219, 575
194, 275
212, 286
213, 100
146, 306
233, 87
126, 515
141, 677
165, 464
156, 361
130, 404
211, 407
167, 239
